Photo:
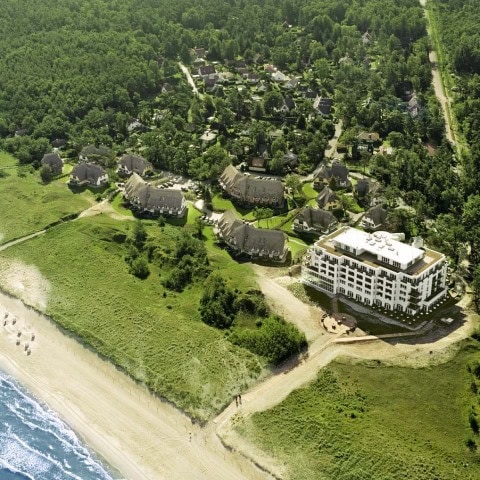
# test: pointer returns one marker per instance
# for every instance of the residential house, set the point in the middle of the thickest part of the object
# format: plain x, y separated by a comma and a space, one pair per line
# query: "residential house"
310, 95
258, 164
206, 70
327, 199
279, 77
133, 164
59, 143
88, 174
366, 38
137, 126
337, 174
54, 161
323, 105
292, 83
376, 270
364, 190
253, 78
313, 220
209, 137
199, 53
375, 219
150, 200
287, 105
92, 153
367, 138
414, 106
269, 68
257, 243
251, 191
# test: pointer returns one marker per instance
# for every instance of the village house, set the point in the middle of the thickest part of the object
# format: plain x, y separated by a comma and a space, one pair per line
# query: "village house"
88, 174
251, 191
365, 190
377, 270
337, 175
258, 164
92, 153
133, 164
257, 243
54, 161
150, 200
323, 105
206, 70
375, 219
414, 106
279, 77
327, 199
367, 138
313, 220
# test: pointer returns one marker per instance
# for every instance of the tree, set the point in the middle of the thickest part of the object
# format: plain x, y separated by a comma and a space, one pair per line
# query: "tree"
476, 286
271, 101
263, 213
293, 183
139, 234
46, 173
217, 302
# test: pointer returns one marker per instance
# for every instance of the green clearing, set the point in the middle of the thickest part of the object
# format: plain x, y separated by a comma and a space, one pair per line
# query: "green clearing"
376, 422
221, 204
120, 207
28, 206
154, 334
309, 191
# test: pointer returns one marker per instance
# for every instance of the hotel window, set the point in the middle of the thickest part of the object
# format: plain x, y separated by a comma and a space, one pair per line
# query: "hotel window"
396, 264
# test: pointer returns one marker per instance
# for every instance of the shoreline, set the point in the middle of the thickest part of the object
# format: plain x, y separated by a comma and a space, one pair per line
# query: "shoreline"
133, 432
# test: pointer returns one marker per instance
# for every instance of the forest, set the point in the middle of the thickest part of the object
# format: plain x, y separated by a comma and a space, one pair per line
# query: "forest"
85, 72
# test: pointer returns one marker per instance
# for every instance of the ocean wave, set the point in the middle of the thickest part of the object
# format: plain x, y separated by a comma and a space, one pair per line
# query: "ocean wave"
10, 468
36, 441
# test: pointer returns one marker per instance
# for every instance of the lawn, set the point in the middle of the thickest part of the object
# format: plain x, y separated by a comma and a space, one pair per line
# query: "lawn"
376, 422
221, 204
156, 335
119, 205
28, 206
309, 191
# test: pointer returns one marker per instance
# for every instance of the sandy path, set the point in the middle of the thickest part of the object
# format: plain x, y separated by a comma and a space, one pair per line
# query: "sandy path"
438, 86
141, 436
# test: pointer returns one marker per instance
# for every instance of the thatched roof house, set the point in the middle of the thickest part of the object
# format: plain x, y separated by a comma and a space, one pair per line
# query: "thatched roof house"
254, 242
151, 200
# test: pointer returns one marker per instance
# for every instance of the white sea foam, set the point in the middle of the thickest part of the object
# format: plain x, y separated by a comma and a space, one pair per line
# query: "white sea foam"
27, 453
6, 466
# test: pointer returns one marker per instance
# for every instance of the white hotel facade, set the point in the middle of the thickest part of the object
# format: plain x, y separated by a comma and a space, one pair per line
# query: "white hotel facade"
376, 270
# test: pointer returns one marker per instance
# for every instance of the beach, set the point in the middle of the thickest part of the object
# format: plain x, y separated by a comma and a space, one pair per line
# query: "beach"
139, 435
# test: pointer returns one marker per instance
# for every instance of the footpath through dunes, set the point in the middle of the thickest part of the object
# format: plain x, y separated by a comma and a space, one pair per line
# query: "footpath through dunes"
138, 434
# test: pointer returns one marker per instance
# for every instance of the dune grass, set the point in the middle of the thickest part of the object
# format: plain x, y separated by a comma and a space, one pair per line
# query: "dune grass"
27, 205
376, 422
156, 335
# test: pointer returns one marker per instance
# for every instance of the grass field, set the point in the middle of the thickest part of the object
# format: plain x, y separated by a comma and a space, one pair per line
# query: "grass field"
28, 206
156, 335
221, 204
374, 422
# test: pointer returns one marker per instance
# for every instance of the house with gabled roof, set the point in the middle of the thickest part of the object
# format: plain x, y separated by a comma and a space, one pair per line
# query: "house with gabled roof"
206, 70
54, 161
337, 172
364, 190
323, 105
375, 219
133, 164
314, 220
150, 200
327, 199
92, 153
257, 243
251, 191
368, 137
88, 174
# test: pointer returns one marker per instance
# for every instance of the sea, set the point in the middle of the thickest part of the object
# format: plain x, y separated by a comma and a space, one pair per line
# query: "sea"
36, 445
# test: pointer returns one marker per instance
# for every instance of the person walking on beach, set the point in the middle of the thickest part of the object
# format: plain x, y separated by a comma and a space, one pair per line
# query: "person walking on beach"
240, 399
236, 399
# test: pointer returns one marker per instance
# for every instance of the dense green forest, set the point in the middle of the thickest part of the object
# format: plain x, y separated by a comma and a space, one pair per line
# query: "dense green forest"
84, 71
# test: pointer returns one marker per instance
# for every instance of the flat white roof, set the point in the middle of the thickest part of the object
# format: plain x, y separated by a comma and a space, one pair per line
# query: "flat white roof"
379, 244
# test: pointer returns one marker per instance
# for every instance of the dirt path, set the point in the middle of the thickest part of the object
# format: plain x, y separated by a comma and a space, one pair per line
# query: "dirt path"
438, 86
190, 81
104, 207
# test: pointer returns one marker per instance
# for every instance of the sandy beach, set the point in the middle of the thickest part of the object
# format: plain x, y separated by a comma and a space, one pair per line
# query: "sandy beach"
137, 434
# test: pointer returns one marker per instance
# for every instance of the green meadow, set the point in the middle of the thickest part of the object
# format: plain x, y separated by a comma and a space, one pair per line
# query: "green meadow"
369, 421
154, 334
26, 205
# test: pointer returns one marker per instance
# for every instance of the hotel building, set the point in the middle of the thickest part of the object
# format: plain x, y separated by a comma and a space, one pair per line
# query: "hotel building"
376, 270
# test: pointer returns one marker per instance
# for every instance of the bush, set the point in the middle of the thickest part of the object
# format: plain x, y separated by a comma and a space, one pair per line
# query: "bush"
217, 302
139, 267
276, 340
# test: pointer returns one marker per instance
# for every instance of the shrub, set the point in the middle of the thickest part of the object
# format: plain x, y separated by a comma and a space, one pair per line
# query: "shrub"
217, 302
275, 339
139, 267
